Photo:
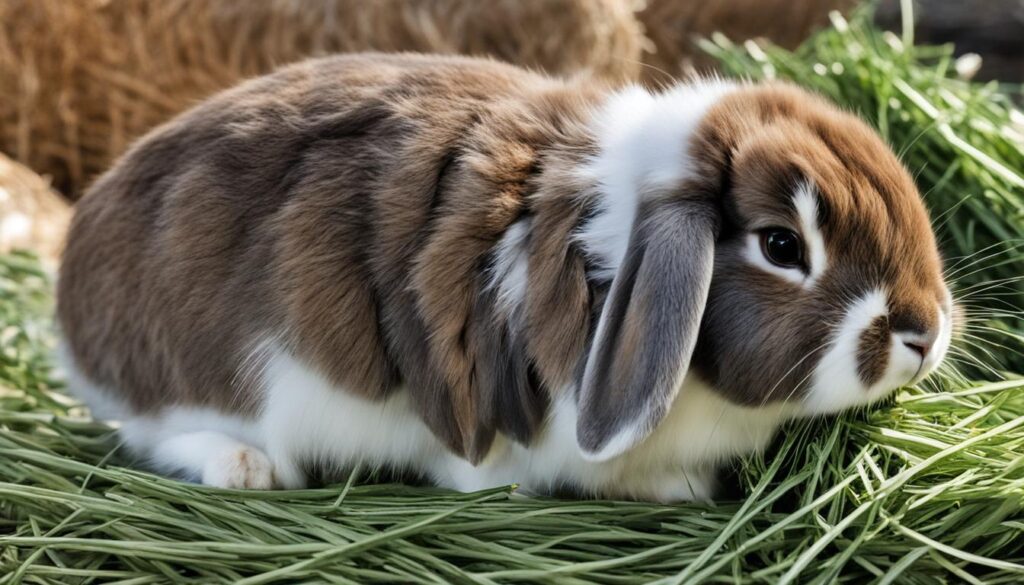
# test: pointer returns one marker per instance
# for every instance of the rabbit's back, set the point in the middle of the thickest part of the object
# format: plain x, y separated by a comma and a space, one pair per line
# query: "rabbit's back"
268, 209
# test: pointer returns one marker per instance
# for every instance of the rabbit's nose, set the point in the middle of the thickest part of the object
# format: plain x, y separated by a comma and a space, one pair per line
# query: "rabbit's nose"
921, 349
920, 343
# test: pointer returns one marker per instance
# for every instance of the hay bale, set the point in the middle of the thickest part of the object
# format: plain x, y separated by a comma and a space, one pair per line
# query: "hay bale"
83, 78
673, 25
32, 215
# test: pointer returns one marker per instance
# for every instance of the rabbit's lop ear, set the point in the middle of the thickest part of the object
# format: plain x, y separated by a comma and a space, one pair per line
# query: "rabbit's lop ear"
648, 327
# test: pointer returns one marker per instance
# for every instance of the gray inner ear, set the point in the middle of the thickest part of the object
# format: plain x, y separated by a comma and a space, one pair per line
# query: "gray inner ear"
648, 327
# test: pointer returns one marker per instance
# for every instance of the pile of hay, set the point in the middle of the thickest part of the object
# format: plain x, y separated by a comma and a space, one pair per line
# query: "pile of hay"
32, 215
675, 26
83, 78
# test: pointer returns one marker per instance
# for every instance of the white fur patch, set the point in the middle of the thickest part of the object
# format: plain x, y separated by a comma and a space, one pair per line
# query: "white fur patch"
201, 444
942, 341
510, 272
806, 204
642, 139
835, 382
674, 463
216, 459
308, 420
102, 403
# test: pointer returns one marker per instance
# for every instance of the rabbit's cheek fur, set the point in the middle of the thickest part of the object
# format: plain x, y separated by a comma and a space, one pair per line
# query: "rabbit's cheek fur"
866, 361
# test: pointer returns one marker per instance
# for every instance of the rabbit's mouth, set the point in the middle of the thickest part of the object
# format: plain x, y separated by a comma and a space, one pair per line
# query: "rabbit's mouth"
870, 355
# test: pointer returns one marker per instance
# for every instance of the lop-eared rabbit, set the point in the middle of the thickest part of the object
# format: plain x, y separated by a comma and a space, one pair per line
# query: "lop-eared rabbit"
459, 268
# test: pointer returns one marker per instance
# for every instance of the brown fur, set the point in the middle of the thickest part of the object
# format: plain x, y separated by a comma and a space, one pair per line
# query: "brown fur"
352, 205
351, 202
873, 353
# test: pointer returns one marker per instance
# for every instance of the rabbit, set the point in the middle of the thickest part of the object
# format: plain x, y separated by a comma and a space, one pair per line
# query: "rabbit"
457, 268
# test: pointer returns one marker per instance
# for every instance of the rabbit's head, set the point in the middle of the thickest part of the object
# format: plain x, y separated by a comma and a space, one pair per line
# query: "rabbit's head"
782, 253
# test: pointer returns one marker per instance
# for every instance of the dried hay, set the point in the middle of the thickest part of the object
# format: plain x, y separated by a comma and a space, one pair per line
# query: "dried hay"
32, 215
673, 26
83, 78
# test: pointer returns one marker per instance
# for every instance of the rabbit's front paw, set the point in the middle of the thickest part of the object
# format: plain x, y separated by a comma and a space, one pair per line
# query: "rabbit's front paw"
243, 467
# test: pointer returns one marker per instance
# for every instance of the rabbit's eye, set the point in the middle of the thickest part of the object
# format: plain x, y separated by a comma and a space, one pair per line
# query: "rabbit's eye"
782, 247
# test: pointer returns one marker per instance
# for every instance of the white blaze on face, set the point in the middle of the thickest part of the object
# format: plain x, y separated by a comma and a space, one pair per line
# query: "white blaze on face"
806, 204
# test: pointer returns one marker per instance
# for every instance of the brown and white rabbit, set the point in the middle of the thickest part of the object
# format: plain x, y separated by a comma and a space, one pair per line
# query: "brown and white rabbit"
463, 269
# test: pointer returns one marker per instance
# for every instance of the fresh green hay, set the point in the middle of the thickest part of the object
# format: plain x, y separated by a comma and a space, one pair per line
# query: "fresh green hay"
926, 489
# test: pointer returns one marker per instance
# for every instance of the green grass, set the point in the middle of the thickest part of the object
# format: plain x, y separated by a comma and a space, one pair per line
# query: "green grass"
926, 489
